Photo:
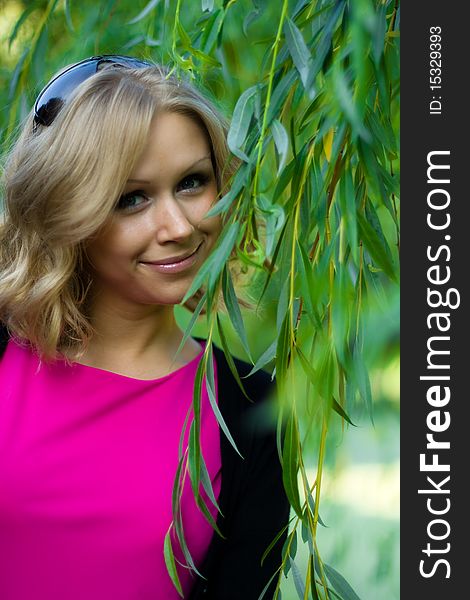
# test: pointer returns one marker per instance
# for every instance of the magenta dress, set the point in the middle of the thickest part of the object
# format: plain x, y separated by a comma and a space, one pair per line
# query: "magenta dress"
87, 462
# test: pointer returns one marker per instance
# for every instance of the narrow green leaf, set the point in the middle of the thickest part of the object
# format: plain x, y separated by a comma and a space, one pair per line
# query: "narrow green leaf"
239, 182
311, 504
211, 268
298, 580
347, 201
378, 33
170, 563
280, 93
267, 586
211, 31
313, 585
250, 18
323, 45
346, 101
233, 309
210, 384
374, 221
293, 544
24, 15
309, 285
68, 15
144, 12
361, 377
281, 141
298, 50
229, 358
290, 464
375, 247
16, 74
283, 348
274, 542
241, 122
191, 323
207, 485
265, 358
340, 584
306, 366
342, 413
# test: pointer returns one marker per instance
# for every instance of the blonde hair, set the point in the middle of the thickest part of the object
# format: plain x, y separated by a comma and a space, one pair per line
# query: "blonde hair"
61, 184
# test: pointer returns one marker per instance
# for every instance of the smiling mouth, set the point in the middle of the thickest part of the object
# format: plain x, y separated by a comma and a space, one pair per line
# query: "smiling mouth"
174, 263
174, 260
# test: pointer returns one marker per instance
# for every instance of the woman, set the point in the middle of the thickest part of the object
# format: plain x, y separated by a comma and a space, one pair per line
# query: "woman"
107, 189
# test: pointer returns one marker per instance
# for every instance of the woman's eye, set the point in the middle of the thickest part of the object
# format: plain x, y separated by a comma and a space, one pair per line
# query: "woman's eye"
131, 201
192, 183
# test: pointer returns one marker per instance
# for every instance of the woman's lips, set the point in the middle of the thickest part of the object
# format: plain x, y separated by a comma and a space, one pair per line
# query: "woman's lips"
174, 264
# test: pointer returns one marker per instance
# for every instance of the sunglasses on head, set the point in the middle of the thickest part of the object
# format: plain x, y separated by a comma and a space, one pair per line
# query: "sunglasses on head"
58, 90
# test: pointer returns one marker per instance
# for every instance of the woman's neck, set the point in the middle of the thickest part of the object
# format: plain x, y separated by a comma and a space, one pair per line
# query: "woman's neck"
139, 342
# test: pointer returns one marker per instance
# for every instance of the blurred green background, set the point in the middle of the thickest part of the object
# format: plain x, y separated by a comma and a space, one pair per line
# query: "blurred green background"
360, 494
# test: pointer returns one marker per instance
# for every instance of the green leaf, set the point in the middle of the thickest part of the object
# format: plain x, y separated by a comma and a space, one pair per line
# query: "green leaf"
223, 251
340, 584
298, 580
68, 15
309, 285
293, 544
241, 120
298, 50
207, 485
144, 12
229, 358
210, 384
233, 309
342, 413
311, 503
361, 378
374, 246
211, 268
313, 586
170, 563
348, 106
323, 46
212, 30
238, 183
250, 18
306, 366
24, 15
290, 464
347, 201
283, 348
267, 586
274, 542
280, 93
281, 141
265, 358
192, 322
17, 73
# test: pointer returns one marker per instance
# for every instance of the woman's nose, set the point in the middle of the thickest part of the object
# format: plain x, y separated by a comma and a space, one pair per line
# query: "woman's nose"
171, 220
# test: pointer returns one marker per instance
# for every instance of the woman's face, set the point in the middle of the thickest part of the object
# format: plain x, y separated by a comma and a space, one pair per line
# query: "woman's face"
157, 237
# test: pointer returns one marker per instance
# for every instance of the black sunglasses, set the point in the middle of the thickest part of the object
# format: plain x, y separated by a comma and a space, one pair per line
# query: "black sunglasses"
58, 90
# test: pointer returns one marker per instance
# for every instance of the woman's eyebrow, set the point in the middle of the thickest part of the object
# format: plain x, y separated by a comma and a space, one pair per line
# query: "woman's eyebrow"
208, 157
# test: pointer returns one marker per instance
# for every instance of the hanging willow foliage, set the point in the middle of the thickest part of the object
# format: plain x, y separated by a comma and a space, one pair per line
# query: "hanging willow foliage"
313, 89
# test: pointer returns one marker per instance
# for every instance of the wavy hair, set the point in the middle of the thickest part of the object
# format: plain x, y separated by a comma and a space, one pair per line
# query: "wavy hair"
61, 183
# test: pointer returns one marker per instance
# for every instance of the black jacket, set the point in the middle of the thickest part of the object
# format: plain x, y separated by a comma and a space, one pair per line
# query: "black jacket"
252, 497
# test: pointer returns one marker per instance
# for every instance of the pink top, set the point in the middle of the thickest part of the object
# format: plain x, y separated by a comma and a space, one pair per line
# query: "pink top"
87, 462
